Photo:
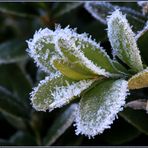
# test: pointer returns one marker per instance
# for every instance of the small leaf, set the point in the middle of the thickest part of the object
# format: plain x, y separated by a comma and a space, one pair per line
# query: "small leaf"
12, 51
56, 92
139, 80
137, 118
123, 42
75, 71
10, 105
60, 125
99, 106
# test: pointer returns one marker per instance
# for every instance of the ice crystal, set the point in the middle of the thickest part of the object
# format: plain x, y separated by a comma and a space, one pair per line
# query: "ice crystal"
123, 41
93, 116
57, 91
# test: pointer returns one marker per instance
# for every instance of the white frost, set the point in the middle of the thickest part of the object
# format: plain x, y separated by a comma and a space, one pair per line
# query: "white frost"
114, 99
124, 43
70, 36
57, 95
64, 94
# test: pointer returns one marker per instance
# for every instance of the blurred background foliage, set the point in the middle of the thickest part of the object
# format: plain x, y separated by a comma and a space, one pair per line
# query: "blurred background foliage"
22, 125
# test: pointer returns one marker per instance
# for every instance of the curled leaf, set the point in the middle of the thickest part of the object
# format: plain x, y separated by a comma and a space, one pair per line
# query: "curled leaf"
99, 106
140, 80
123, 41
75, 71
55, 92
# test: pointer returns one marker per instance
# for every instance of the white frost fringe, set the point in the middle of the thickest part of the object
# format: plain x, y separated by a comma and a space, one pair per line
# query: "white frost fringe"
114, 101
69, 36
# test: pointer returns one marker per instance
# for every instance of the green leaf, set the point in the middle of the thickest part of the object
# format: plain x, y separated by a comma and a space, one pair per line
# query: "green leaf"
137, 118
142, 42
120, 67
99, 106
57, 91
79, 47
10, 105
41, 48
4, 142
123, 41
120, 133
73, 70
65, 7
12, 51
22, 138
18, 10
60, 125
100, 10
22, 123
13, 78
140, 80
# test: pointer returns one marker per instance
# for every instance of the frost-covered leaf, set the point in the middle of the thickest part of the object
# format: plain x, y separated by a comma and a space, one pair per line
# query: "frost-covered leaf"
12, 51
140, 80
41, 48
73, 70
99, 106
100, 10
144, 5
60, 125
79, 47
56, 92
123, 42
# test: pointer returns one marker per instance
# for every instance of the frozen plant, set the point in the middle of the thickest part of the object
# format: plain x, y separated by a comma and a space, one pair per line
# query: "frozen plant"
78, 67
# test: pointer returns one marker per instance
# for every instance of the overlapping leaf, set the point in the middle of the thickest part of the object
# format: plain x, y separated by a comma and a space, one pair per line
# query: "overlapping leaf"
56, 92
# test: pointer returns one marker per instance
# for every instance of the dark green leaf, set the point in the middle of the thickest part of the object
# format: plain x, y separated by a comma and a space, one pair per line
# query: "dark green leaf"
120, 133
23, 138
10, 105
61, 8
60, 125
12, 51
143, 45
15, 80
137, 118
